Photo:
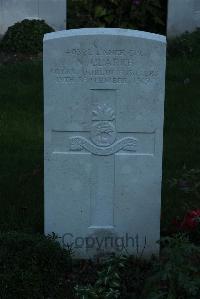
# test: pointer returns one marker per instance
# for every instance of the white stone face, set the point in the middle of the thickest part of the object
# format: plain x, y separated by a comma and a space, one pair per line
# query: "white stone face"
52, 11
183, 15
104, 110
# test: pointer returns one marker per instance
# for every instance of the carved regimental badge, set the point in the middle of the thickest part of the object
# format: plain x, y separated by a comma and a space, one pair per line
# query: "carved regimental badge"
103, 132
103, 136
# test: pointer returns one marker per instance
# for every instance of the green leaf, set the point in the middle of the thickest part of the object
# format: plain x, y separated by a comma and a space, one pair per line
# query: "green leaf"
100, 11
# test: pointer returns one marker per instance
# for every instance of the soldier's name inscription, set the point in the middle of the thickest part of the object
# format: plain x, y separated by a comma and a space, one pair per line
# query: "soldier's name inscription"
99, 65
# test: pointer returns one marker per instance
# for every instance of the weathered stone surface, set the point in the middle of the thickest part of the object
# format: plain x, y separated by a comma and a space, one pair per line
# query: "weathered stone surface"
183, 15
104, 110
52, 11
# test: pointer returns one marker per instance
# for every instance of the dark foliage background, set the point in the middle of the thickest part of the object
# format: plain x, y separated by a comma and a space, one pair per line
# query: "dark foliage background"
146, 15
25, 37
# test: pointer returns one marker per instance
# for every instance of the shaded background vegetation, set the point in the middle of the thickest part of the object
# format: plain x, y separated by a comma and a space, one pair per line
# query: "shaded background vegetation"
146, 15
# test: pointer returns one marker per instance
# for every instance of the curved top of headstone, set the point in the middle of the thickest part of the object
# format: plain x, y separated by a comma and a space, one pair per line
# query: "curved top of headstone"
106, 31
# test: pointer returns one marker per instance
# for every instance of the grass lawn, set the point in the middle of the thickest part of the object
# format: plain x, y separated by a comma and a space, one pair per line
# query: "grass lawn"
181, 133
21, 141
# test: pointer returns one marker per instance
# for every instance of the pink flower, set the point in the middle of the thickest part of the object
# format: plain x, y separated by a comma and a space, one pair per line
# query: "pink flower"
190, 220
136, 2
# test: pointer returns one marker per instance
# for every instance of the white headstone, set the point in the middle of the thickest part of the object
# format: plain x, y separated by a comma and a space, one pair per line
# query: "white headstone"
183, 15
52, 11
104, 109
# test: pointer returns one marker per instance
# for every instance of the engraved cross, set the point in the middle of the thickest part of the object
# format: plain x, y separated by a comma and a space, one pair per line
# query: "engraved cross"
103, 143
